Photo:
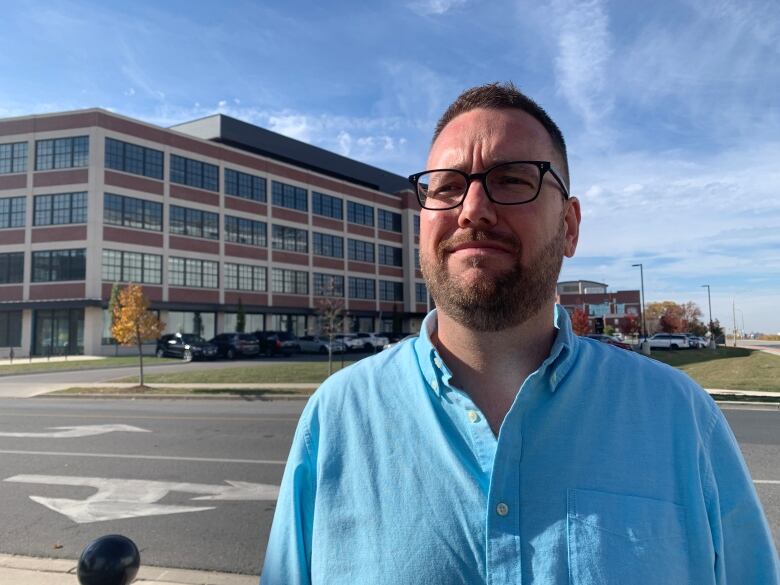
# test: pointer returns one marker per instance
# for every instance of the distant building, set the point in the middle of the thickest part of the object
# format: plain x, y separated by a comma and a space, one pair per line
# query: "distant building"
602, 307
202, 215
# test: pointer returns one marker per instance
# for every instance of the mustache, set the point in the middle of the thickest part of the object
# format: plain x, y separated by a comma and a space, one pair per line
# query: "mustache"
472, 235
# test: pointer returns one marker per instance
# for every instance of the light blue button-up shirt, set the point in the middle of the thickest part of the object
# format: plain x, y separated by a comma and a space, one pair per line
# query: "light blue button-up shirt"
609, 468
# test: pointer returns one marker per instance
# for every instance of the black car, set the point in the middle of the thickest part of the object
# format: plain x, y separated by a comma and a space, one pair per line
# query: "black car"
273, 343
186, 346
233, 345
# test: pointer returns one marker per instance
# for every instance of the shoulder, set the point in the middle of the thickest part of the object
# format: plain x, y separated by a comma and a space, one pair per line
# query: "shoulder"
642, 379
370, 382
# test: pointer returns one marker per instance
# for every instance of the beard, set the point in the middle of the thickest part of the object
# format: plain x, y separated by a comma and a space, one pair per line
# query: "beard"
498, 302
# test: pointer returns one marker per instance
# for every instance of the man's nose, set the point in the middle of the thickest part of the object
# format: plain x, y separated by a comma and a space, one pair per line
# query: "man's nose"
477, 209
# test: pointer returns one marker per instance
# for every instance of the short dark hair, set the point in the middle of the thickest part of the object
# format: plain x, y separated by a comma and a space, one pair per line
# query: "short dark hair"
498, 96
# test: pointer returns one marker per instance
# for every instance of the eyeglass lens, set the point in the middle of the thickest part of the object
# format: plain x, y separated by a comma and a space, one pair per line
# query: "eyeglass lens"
509, 183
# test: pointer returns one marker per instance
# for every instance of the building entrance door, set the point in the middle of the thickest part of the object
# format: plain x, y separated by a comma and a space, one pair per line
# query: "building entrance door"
58, 332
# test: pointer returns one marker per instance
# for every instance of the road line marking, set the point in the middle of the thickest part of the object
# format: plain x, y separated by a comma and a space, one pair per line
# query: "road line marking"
147, 457
11, 414
769, 481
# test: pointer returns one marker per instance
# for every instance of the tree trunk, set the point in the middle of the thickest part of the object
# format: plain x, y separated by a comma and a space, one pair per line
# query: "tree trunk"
140, 355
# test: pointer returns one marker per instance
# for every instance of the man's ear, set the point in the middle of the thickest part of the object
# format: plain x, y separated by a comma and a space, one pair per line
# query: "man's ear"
571, 220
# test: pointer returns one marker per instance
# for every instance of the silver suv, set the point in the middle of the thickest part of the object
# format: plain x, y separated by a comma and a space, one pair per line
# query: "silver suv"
669, 341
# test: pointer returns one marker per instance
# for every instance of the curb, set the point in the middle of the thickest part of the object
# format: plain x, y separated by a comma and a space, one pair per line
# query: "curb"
24, 570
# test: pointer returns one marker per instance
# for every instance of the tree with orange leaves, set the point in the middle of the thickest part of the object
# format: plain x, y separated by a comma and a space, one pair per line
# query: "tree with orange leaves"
134, 323
579, 322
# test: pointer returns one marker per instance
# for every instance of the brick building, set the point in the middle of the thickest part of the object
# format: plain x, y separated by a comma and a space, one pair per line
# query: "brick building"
602, 307
202, 214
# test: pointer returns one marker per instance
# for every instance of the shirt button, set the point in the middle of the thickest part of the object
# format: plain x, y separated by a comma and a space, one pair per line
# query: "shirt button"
434, 384
438, 362
502, 509
473, 416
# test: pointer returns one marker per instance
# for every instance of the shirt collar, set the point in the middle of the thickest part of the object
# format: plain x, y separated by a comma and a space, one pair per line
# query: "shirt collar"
556, 366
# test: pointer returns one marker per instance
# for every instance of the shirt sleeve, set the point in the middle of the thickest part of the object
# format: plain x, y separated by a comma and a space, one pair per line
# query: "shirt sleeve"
288, 556
744, 552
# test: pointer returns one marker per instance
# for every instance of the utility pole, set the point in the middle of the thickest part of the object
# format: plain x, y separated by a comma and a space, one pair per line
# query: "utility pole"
642, 300
734, 317
709, 302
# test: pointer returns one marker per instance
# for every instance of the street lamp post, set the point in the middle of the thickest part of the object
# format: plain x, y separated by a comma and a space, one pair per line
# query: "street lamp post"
642, 301
709, 302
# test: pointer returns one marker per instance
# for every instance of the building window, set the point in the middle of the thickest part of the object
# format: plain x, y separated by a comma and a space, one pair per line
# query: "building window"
12, 212
290, 196
192, 272
13, 158
599, 310
131, 158
327, 205
10, 328
11, 267
286, 281
390, 255
245, 277
416, 225
60, 209
194, 173
121, 266
389, 220
360, 251
56, 265
290, 239
61, 153
420, 293
359, 213
195, 223
246, 231
417, 259
244, 185
362, 288
131, 212
328, 285
328, 245
391, 291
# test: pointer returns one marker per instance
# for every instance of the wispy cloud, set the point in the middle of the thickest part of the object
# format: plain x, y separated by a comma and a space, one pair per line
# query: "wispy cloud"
582, 61
434, 7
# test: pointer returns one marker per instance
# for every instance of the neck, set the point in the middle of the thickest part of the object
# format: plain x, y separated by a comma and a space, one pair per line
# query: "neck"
491, 366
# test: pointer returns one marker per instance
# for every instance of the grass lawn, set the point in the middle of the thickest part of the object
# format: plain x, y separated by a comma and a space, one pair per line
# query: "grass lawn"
309, 372
23, 366
249, 393
732, 368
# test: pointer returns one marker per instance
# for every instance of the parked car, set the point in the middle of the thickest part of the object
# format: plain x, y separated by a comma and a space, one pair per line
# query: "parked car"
365, 341
669, 341
611, 340
695, 341
392, 344
273, 343
233, 345
316, 344
186, 346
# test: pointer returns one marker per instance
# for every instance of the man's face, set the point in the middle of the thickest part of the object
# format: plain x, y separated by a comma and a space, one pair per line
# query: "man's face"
491, 266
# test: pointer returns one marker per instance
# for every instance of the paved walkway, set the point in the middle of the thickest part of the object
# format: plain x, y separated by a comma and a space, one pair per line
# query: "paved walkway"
21, 570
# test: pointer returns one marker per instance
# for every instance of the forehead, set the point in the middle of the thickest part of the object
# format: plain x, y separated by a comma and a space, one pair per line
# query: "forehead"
489, 136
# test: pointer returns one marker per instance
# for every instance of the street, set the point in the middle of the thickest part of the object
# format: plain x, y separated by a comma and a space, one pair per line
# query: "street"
192, 482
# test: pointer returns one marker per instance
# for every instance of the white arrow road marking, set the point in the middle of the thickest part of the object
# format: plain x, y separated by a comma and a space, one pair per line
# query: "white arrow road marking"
81, 431
132, 498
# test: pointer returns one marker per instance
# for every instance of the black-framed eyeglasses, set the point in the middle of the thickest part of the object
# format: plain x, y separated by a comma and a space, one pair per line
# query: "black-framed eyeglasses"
509, 183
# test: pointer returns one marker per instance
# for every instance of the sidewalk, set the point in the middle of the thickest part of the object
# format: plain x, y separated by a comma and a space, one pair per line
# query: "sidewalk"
21, 570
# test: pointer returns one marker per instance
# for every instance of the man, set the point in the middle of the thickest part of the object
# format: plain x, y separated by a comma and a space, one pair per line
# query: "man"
498, 447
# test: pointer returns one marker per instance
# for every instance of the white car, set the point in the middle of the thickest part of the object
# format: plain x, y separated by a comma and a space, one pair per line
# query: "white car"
364, 341
669, 341
316, 344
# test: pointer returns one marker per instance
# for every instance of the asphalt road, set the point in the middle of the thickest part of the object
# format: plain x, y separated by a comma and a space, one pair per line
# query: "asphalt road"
177, 452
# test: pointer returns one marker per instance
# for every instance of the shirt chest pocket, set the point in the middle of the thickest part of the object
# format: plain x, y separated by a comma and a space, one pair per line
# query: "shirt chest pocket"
618, 539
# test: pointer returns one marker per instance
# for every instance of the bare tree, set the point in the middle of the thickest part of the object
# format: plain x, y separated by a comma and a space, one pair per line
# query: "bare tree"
330, 311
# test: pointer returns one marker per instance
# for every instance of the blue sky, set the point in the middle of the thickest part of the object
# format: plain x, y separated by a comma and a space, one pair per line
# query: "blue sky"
671, 109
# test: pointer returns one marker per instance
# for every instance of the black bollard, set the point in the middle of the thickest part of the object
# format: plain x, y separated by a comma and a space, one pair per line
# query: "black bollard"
109, 560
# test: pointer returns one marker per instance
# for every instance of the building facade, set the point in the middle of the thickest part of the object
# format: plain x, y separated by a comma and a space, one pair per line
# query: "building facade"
604, 309
204, 215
